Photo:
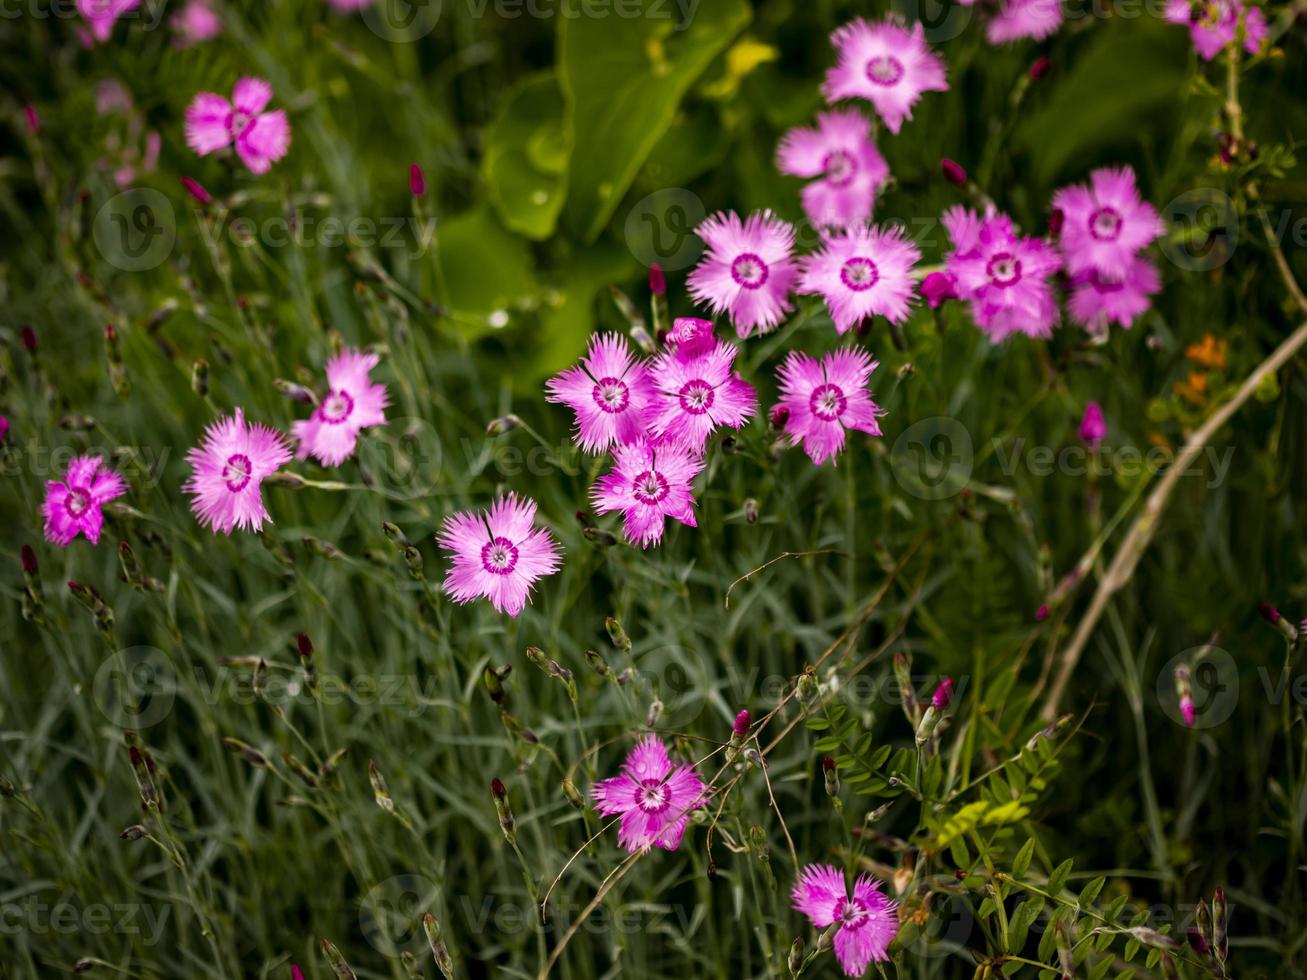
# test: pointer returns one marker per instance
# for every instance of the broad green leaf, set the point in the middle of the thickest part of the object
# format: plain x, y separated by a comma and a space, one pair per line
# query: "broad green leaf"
623, 79
526, 156
485, 269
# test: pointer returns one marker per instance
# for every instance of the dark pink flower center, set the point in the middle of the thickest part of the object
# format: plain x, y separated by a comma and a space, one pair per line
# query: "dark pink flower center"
649, 487
336, 407
840, 167
885, 69
612, 395
236, 472
827, 402
652, 796
77, 501
1105, 224
1004, 269
859, 274
499, 556
1102, 285
696, 396
851, 914
749, 270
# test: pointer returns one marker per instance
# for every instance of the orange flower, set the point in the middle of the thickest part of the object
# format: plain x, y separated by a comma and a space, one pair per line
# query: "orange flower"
1194, 388
1209, 352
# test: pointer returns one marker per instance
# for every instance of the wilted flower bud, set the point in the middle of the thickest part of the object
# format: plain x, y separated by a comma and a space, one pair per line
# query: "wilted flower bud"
806, 689
28, 558
506, 823
655, 713
751, 511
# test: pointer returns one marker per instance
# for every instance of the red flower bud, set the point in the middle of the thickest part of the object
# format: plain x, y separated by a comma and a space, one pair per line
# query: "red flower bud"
304, 645
196, 190
741, 724
28, 336
417, 183
827, 764
657, 283
1040, 68
779, 416
497, 789
1055, 220
29, 560
943, 694
953, 172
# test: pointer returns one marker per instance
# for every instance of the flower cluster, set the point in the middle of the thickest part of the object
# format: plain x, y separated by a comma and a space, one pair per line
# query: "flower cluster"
1216, 24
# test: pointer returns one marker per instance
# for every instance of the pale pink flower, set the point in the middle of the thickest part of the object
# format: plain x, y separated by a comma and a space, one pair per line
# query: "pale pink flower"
866, 272
825, 397
1004, 277
72, 505
609, 391
648, 484
195, 23
885, 63
1215, 24
498, 554
653, 796
1097, 302
1093, 427
1105, 223
1015, 19
260, 138
227, 472
848, 168
354, 403
867, 920
697, 394
748, 270
691, 336
101, 15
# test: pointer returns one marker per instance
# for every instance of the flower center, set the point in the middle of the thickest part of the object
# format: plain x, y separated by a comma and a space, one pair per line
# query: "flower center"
827, 402
1102, 285
696, 396
851, 914
1105, 224
652, 796
499, 556
649, 487
612, 395
239, 120
77, 501
336, 408
749, 270
839, 167
1004, 270
859, 274
236, 472
885, 70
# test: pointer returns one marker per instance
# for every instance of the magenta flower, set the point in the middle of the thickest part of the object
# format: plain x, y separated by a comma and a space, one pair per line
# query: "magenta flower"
227, 472
1097, 301
653, 796
609, 391
1004, 277
866, 272
867, 919
1093, 427
840, 153
690, 337
1215, 24
938, 287
885, 63
195, 23
353, 404
1016, 19
698, 393
261, 138
101, 15
943, 694
498, 554
749, 269
823, 398
72, 505
1105, 223
648, 484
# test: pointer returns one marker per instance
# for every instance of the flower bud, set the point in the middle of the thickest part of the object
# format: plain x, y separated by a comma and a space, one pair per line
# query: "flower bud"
1184, 694
1040, 68
196, 190
572, 793
618, 635
832, 776
505, 812
937, 287
943, 694
28, 336
436, 940
953, 172
779, 416
28, 557
1056, 219
741, 726
505, 423
795, 960
1272, 616
247, 752
657, 282
494, 683
417, 182
294, 391
1220, 920
598, 663
200, 377
751, 511
32, 118
338, 964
